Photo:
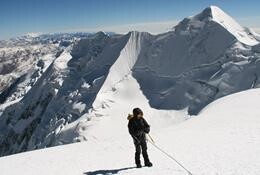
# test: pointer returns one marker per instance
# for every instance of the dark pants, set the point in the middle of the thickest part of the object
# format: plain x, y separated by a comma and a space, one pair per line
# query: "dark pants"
141, 146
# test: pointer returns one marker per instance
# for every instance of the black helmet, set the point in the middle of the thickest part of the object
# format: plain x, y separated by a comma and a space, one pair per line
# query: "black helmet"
137, 111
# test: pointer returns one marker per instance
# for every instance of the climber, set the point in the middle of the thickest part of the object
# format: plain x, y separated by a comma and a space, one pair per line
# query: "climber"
138, 127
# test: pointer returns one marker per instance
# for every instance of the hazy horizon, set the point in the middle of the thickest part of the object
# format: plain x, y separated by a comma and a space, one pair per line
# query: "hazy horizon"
19, 18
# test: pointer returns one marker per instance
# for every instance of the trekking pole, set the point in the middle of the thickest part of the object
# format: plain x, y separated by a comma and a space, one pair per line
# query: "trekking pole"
168, 155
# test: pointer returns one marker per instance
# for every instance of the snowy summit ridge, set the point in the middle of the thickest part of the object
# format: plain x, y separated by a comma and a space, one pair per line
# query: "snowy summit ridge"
219, 16
55, 88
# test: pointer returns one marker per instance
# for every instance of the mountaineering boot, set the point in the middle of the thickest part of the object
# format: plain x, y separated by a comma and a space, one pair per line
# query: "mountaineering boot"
138, 166
148, 164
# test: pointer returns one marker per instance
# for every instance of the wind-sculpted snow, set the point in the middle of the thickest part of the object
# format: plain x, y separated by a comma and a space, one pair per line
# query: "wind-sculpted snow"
54, 88
126, 60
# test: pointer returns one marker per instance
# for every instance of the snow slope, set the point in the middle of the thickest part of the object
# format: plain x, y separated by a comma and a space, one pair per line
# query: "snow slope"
223, 139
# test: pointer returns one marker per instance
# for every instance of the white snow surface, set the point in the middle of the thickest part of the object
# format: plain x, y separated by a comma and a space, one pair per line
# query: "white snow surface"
223, 139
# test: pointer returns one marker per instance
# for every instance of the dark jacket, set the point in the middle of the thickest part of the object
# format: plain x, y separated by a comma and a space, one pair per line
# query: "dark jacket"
137, 128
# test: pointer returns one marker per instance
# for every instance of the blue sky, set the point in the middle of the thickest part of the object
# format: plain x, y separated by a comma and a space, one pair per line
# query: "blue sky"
18, 17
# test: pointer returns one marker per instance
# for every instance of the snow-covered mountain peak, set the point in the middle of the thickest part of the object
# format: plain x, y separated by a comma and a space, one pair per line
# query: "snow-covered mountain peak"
194, 24
216, 10
211, 16
216, 14
212, 13
231, 25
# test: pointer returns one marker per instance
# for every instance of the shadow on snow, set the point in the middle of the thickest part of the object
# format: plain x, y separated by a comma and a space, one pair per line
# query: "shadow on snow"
112, 171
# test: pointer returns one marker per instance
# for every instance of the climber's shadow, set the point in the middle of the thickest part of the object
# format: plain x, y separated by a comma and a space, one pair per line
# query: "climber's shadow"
112, 171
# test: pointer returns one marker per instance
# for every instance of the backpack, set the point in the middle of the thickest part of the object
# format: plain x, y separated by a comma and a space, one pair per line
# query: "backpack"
130, 116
